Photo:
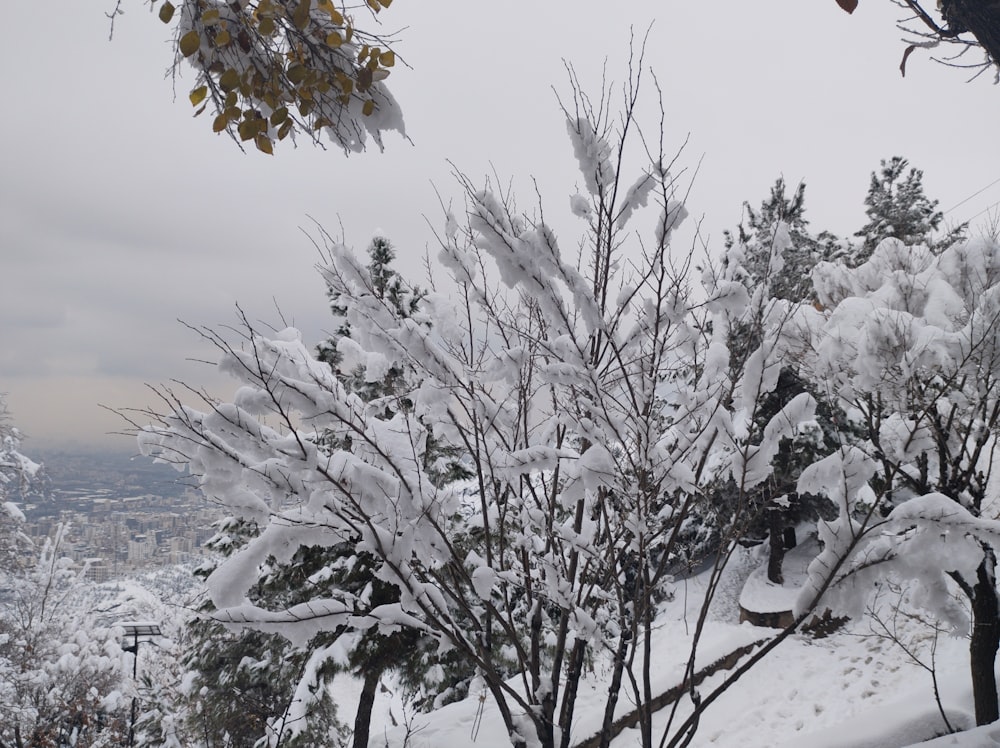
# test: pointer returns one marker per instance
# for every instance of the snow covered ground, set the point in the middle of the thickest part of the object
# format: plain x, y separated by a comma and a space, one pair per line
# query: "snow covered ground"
853, 689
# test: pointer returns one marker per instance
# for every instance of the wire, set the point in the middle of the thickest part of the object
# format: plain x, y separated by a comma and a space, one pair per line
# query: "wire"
988, 207
979, 192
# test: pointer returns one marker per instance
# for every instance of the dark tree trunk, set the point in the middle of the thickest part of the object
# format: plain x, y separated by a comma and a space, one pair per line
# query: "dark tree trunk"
985, 642
573, 677
790, 540
363, 719
616, 683
776, 544
981, 18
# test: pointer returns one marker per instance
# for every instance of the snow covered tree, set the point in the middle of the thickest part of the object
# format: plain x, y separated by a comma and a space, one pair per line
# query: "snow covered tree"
908, 345
60, 668
776, 254
788, 272
249, 688
16, 473
896, 206
273, 68
590, 403
373, 653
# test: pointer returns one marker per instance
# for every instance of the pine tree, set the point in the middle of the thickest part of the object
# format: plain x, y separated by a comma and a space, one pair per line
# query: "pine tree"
897, 206
404, 651
777, 252
241, 686
789, 277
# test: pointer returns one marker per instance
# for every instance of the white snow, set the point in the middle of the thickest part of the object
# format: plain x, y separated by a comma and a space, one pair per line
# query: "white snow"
849, 690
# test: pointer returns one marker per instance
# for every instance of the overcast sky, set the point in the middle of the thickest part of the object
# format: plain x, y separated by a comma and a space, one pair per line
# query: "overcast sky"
120, 214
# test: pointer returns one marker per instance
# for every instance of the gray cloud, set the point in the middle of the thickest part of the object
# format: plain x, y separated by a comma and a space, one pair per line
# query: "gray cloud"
120, 214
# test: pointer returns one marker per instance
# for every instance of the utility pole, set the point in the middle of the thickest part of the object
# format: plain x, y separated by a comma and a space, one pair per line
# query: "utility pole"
135, 630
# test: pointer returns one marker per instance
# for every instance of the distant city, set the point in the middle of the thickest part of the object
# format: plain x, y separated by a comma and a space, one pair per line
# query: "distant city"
124, 514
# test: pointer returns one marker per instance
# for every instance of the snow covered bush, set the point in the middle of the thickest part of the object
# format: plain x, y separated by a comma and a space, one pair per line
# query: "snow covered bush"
60, 668
907, 345
587, 401
16, 473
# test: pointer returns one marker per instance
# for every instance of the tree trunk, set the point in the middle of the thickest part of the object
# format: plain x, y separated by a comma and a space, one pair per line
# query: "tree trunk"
985, 642
790, 540
776, 544
573, 677
363, 718
613, 691
981, 18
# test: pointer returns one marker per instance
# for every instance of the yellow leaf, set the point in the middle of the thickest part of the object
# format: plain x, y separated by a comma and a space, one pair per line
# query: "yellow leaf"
368, 108
279, 116
385, 3
220, 123
189, 43
284, 129
247, 129
335, 15
387, 59
264, 144
198, 95
334, 40
300, 16
210, 16
350, 33
230, 99
229, 80
166, 12
374, 5
266, 26
365, 49
297, 73
222, 38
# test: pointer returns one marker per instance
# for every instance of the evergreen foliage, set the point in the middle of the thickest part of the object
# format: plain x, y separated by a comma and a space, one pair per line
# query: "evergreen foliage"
897, 207
241, 687
780, 220
776, 253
